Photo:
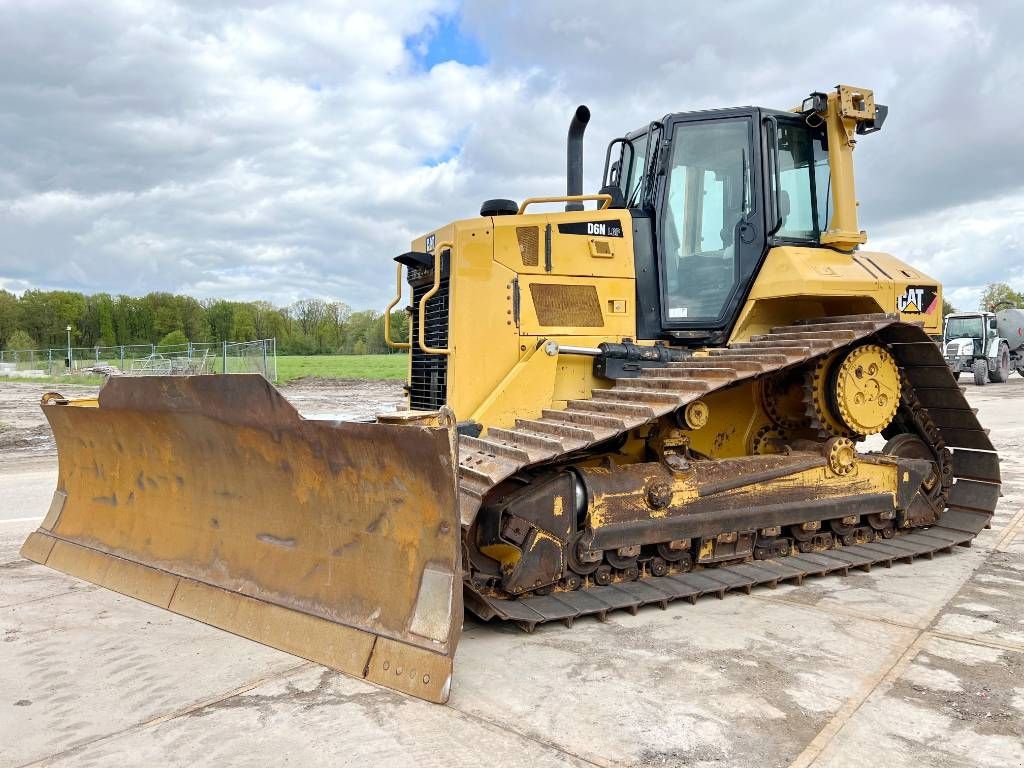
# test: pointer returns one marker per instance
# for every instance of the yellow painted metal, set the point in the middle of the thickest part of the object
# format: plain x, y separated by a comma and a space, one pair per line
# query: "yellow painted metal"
530, 381
390, 307
439, 249
842, 456
488, 284
697, 414
821, 395
572, 255
606, 291
796, 283
863, 477
735, 417
211, 496
605, 200
847, 106
867, 389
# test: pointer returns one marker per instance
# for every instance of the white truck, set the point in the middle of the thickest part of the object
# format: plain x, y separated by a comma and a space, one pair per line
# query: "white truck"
988, 344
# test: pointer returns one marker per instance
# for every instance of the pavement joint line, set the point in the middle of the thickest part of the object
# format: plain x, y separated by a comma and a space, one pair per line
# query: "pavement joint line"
22, 520
47, 597
1010, 531
988, 642
985, 642
834, 727
172, 715
890, 672
844, 612
505, 728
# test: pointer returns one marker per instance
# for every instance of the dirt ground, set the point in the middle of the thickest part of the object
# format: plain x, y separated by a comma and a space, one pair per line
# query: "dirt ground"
25, 437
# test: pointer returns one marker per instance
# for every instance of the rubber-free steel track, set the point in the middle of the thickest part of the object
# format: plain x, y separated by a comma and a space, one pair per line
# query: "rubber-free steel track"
585, 424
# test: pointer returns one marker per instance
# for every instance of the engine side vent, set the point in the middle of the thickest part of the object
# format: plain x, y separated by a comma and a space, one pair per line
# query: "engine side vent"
567, 305
428, 382
528, 238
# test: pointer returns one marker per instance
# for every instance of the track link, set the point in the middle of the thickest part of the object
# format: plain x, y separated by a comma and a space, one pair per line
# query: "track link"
943, 417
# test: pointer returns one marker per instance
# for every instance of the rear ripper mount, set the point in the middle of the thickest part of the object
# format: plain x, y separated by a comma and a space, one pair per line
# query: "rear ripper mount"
933, 408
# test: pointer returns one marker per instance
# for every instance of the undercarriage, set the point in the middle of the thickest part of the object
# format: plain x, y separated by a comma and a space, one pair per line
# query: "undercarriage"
649, 495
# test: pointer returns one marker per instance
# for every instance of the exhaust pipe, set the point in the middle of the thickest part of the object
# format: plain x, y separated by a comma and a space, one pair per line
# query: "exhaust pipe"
574, 156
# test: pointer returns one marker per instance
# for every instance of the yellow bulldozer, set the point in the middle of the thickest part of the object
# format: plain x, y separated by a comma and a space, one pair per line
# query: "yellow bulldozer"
672, 388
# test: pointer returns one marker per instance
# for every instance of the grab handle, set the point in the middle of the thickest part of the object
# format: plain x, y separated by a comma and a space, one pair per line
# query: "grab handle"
387, 313
438, 249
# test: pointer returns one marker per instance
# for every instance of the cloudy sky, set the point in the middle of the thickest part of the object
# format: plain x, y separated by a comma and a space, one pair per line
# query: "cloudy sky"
285, 150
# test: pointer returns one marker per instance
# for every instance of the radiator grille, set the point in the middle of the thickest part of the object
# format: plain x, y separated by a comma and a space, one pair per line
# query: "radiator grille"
428, 382
528, 237
566, 305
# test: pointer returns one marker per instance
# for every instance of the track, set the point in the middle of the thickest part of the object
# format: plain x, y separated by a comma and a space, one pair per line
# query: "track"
585, 424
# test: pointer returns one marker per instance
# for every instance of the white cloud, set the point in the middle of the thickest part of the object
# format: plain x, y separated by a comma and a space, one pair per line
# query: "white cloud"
968, 246
275, 151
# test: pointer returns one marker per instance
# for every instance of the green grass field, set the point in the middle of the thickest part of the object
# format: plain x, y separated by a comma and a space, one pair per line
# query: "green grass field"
291, 367
91, 381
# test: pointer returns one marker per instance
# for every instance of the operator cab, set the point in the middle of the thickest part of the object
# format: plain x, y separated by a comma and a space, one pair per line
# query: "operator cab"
710, 193
968, 334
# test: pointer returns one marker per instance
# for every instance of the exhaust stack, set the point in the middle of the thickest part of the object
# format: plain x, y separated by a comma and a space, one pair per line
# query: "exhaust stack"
574, 156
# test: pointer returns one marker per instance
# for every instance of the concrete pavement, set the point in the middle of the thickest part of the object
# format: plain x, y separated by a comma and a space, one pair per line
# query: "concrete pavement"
914, 665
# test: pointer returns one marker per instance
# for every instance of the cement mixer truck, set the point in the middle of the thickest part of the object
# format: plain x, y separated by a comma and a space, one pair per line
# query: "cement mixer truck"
986, 344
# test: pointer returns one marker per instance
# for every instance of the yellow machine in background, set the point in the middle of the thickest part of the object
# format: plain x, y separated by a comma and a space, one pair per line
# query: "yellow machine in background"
657, 398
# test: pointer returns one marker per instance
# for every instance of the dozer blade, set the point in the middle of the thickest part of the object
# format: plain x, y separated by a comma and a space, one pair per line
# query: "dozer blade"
212, 497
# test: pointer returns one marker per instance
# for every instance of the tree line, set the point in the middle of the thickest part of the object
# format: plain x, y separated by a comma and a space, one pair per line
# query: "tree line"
38, 320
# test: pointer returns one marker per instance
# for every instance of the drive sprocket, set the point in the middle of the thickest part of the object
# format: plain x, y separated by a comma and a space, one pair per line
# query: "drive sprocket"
818, 385
867, 389
853, 393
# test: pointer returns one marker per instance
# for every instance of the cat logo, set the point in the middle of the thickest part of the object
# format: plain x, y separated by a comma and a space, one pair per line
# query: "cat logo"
918, 299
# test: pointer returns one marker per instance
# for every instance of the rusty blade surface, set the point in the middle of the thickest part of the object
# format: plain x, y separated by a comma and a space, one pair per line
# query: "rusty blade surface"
213, 497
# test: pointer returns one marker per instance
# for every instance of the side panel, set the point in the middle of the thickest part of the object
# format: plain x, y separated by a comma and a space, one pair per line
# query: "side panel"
797, 282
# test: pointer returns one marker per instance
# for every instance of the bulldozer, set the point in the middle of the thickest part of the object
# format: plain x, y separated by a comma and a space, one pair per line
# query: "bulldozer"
693, 382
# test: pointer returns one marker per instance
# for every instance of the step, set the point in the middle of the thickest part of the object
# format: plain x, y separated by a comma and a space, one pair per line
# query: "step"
585, 418
535, 445
790, 350
838, 336
557, 429
607, 407
489, 448
718, 374
679, 385
622, 394
743, 366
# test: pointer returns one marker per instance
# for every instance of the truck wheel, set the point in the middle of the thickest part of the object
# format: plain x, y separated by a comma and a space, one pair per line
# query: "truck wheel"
980, 371
1002, 371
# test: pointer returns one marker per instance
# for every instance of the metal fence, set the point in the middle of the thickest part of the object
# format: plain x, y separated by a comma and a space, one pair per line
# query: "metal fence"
145, 359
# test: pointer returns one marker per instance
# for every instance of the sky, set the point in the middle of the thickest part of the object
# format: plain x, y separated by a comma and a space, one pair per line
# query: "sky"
278, 151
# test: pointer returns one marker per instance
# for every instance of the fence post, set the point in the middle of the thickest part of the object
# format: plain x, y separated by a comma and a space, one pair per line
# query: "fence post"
122, 358
266, 373
225, 358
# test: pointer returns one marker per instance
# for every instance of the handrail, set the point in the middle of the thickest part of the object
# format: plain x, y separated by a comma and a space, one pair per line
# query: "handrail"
438, 249
606, 199
773, 157
387, 313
